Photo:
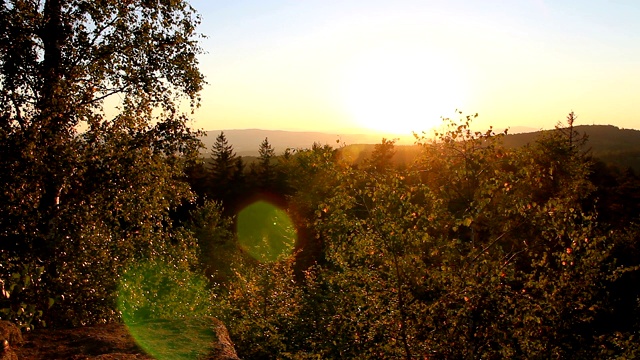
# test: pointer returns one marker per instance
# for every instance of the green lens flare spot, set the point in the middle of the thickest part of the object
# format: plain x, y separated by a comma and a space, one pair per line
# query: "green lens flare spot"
266, 232
165, 310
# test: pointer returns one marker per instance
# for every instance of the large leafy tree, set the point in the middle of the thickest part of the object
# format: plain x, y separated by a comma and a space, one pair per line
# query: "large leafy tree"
93, 140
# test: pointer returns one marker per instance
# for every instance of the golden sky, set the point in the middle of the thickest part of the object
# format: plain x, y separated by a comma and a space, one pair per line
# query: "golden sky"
397, 66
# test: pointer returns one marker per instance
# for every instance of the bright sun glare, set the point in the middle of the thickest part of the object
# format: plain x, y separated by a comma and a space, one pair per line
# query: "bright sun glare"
402, 90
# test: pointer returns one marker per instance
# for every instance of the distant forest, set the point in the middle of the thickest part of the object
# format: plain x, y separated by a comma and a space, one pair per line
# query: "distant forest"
607, 143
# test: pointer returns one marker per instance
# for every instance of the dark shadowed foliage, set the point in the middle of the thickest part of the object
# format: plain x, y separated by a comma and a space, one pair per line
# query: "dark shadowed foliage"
89, 187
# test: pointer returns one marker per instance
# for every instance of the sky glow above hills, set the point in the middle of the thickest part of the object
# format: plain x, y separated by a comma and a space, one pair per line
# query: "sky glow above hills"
396, 66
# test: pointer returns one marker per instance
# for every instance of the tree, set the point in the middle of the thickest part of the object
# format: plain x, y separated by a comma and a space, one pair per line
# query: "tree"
381, 156
312, 175
219, 250
266, 154
264, 171
238, 174
223, 171
197, 175
262, 308
93, 143
223, 158
573, 138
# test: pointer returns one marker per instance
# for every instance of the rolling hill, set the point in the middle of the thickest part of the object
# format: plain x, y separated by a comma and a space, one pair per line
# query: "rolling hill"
608, 143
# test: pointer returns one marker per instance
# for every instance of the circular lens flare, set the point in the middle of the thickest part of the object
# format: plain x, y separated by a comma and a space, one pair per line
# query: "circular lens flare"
266, 232
164, 310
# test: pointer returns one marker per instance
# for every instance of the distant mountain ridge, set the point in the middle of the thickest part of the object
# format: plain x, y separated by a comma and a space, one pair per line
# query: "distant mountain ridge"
608, 143
602, 139
246, 142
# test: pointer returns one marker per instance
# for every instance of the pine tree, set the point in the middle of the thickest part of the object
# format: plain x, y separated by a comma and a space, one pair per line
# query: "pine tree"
266, 153
226, 180
265, 169
223, 160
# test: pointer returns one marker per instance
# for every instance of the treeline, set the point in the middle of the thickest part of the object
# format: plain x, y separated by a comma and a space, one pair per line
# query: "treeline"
229, 179
619, 147
475, 250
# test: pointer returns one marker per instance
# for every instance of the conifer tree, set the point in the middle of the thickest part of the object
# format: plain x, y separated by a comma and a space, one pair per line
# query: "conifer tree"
266, 153
223, 167
226, 175
265, 170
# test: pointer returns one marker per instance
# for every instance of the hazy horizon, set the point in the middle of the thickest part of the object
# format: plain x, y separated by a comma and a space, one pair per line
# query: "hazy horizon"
246, 142
362, 131
354, 66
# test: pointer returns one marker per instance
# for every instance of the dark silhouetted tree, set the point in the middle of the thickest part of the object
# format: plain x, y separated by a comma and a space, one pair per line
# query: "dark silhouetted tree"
263, 172
89, 188
226, 172
381, 156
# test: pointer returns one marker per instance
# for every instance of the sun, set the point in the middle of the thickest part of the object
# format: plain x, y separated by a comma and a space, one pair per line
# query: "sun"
400, 90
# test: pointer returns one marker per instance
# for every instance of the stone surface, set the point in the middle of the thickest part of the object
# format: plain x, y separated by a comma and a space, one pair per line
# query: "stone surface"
8, 354
223, 348
10, 336
10, 332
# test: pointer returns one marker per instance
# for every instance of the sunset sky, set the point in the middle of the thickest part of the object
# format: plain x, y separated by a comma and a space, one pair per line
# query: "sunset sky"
397, 66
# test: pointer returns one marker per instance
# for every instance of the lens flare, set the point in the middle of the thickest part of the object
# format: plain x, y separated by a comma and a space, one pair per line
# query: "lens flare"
266, 232
164, 310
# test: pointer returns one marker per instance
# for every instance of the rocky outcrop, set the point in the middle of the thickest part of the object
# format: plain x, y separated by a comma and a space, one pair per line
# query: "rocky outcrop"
10, 337
10, 332
223, 348
6, 352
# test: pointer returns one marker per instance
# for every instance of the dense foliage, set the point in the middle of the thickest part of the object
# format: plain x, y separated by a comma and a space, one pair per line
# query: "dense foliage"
475, 251
93, 143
